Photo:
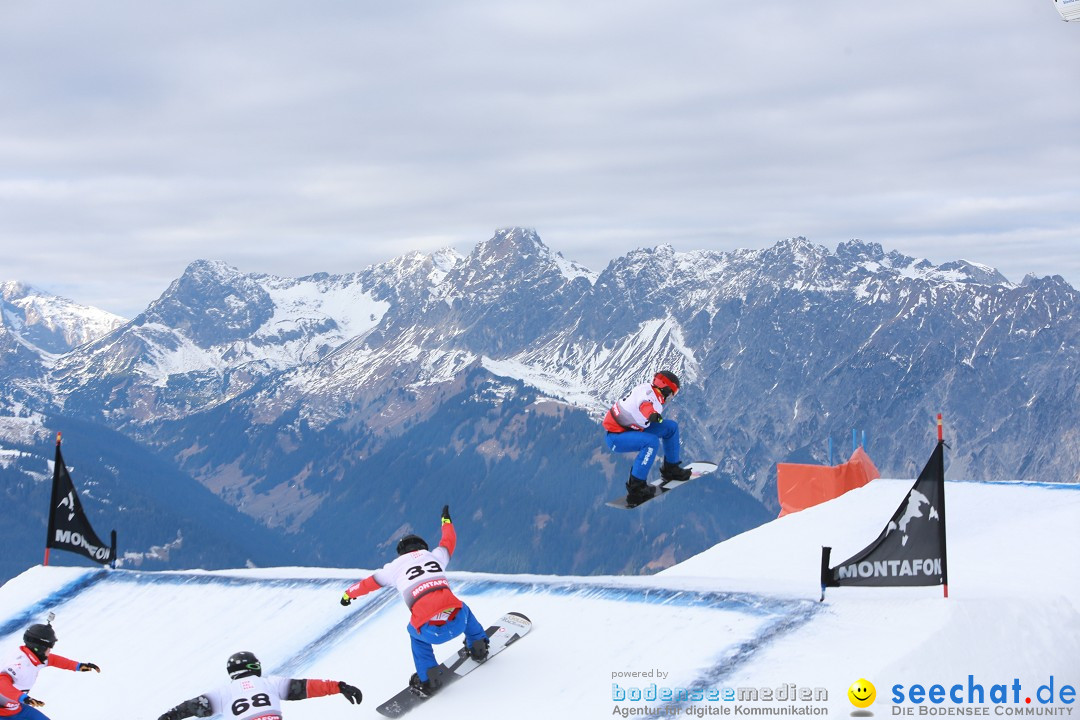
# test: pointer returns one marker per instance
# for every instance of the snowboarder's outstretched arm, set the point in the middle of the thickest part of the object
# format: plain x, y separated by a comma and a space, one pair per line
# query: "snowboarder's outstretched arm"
195, 707
58, 661
301, 689
363, 587
449, 536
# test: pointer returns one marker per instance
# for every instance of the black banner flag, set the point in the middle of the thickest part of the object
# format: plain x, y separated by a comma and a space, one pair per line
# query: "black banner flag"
68, 527
911, 549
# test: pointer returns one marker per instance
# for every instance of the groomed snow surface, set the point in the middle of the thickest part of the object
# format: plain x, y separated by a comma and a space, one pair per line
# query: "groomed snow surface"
743, 615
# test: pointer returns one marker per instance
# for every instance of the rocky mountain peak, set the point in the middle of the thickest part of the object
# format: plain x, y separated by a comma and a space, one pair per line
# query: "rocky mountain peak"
857, 250
511, 256
211, 303
50, 324
517, 241
968, 272
797, 250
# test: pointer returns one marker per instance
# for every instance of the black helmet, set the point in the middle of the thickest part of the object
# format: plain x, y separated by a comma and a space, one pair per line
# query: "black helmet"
667, 381
39, 638
243, 664
411, 543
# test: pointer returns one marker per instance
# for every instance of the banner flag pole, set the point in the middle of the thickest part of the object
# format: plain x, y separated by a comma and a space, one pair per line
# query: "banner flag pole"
944, 551
825, 553
54, 498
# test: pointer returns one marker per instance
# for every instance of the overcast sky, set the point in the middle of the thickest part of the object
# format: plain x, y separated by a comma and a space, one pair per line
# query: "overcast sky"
327, 135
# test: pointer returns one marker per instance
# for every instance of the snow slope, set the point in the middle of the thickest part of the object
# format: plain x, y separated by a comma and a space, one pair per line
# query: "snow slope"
743, 615
1014, 591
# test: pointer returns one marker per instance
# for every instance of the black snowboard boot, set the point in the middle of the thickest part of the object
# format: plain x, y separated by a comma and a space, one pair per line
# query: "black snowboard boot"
638, 491
478, 651
424, 689
673, 471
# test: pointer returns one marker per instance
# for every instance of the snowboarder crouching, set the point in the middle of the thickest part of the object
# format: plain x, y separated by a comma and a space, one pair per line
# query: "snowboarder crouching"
437, 615
250, 696
18, 674
636, 424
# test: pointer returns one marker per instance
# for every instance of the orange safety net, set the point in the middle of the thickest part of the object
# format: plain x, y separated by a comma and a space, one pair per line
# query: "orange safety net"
803, 486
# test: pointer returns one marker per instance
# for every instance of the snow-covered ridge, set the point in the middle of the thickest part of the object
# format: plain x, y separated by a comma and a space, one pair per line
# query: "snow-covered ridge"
301, 321
815, 268
590, 375
309, 319
48, 324
572, 270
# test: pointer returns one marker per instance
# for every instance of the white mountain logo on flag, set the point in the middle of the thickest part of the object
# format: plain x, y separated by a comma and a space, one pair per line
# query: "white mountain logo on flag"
913, 510
69, 501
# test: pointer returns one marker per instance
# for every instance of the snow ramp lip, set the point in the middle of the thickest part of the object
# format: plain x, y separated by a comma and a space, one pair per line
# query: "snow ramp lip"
35, 611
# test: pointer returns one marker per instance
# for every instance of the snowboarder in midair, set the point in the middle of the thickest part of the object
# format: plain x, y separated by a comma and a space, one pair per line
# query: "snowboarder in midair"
437, 615
250, 696
20, 671
636, 424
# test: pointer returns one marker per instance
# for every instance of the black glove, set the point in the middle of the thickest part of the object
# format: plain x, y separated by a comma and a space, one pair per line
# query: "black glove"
446, 514
345, 599
655, 418
33, 703
352, 694
87, 667
195, 707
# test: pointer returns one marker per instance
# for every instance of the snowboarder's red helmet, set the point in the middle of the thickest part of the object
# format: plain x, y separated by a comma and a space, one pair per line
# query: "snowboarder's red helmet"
667, 382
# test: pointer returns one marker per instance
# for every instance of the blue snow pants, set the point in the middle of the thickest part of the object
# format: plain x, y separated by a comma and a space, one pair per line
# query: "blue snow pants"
428, 635
29, 713
646, 443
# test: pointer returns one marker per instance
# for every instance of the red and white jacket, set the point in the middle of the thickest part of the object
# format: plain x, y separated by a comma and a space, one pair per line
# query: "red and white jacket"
253, 697
420, 578
19, 673
259, 698
633, 411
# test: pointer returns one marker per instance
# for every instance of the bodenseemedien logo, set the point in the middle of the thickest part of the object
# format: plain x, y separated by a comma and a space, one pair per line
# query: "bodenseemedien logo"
862, 694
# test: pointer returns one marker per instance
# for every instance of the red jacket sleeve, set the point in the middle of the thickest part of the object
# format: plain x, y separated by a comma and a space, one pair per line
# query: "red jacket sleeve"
319, 688
363, 587
449, 538
8, 691
61, 662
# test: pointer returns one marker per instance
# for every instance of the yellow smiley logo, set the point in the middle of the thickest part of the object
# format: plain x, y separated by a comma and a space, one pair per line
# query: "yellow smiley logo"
862, 693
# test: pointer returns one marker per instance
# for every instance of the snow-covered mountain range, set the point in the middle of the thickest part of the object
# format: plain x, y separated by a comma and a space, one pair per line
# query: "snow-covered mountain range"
333, 404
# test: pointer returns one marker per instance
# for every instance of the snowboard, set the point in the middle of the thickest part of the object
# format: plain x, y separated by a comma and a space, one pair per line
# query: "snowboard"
697, 469
510, 628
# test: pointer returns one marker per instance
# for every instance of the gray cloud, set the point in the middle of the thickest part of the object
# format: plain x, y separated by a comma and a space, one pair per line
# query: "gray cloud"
324, 137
